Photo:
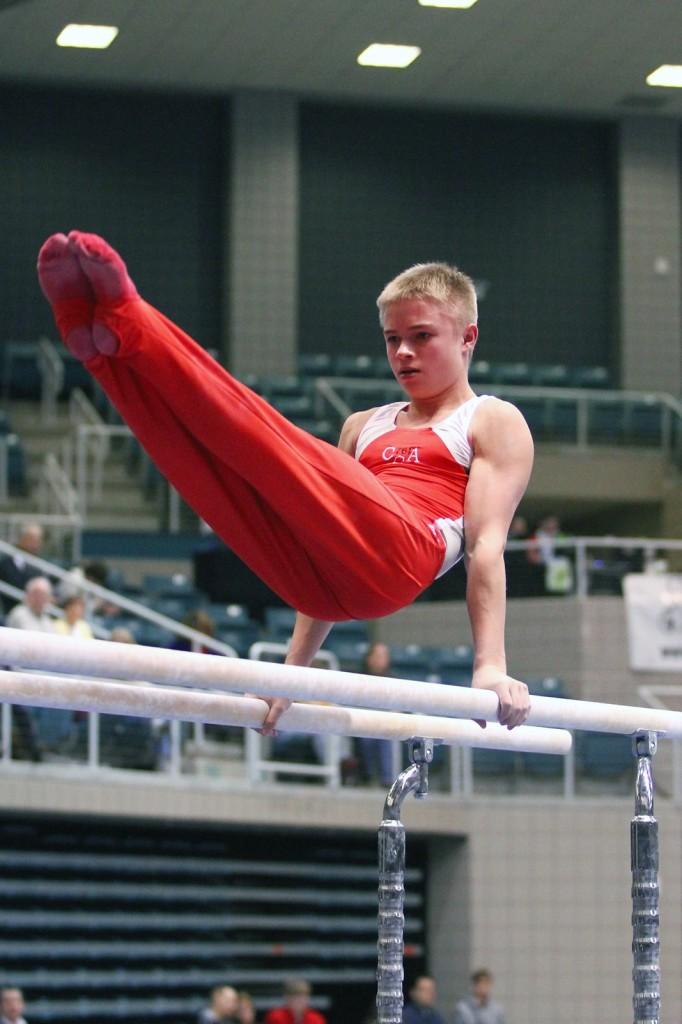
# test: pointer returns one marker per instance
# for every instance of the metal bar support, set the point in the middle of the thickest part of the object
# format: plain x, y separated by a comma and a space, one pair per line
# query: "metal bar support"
646, 973
391, 921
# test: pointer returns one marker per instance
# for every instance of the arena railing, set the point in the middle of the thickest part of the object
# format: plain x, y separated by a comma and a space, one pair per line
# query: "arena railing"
641, 554
333, 391
51, 369
81, 585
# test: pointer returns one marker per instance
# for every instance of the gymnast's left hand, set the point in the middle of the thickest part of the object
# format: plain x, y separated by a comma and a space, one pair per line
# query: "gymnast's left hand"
276, 708
512, 694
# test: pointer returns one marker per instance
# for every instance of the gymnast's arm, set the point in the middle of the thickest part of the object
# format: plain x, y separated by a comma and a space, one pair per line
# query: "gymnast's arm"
499, 474
309, 634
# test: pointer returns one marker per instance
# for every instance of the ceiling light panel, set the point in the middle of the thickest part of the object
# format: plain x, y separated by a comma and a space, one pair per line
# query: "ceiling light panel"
455, 5
88, 37
388, 55
667, 75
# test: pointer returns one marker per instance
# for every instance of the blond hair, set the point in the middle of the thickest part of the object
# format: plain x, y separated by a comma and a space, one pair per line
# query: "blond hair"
439, 281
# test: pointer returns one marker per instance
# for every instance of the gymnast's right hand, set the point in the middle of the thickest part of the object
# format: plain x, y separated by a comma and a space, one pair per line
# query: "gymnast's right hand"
276, 708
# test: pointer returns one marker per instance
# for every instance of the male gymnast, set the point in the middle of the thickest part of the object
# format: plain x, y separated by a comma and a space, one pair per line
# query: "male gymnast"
356, 531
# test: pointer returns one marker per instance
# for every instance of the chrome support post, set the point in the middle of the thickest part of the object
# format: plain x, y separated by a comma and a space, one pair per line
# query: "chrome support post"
391, 919
646, 973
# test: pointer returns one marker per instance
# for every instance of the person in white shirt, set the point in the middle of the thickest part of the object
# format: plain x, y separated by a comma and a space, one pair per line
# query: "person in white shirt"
74, 622
11, 1006
32, 613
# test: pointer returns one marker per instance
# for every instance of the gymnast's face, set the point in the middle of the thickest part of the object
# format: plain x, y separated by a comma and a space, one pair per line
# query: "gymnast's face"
428, 346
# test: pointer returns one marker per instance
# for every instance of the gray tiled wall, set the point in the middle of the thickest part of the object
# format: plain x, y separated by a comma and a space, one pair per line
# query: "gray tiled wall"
650, 248
262, 233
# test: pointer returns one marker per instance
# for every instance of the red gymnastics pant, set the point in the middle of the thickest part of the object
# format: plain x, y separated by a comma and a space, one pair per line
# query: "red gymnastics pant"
316, 526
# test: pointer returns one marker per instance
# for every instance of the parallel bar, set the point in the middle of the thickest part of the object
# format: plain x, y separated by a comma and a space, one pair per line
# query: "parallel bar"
391, 918
127, 661
222, 709
646, 973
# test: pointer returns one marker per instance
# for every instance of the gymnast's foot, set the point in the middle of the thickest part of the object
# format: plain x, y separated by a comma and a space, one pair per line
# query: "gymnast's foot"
68, 291
103, 267
107, 275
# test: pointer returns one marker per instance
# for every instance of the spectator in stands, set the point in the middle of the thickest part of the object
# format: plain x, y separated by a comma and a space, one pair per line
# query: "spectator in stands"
479, 1007
296, 1009
421, 1008
74, 622
14, 569
376, 760
223, 1008
200, 620
32, 614
122, 635
91, 572
557, 565
12, 1006
246, 1014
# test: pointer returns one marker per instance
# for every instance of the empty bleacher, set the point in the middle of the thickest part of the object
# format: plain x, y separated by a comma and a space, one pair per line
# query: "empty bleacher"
149, 918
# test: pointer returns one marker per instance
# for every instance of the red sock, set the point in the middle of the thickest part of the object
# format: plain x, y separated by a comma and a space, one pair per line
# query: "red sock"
68, 291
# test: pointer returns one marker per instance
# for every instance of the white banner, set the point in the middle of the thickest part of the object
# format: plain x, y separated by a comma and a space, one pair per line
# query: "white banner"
654, 616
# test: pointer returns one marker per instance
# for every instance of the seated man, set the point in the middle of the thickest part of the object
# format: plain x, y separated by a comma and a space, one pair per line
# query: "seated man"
421, 1007
32, 613
338, 534
14, 569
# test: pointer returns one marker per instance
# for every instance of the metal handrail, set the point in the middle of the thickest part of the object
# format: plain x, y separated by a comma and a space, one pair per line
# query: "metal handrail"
200, 640
11, 523
55, 483
51, 369
326, 391
4, 468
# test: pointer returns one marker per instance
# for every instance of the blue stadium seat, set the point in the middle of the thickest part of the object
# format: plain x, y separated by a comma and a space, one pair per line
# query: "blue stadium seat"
410, 662
294, 407
232, 616
381, 368
546, 766
644, 422
20, 373
351, 653
76, 376
547, 686
279, 622
315, 364
323, 429
454, 665
554, 375
126, 742
562, 420
606, 422
281, 387
163, 585
603, 755
535, 412
494, 762
173, 607
512, 373
16, 466
481, 372
240, 638
354, 366
367, 398
151, 635
590, 377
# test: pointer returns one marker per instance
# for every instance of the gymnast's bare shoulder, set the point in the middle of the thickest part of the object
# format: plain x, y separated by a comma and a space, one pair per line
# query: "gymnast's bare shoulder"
350, 431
